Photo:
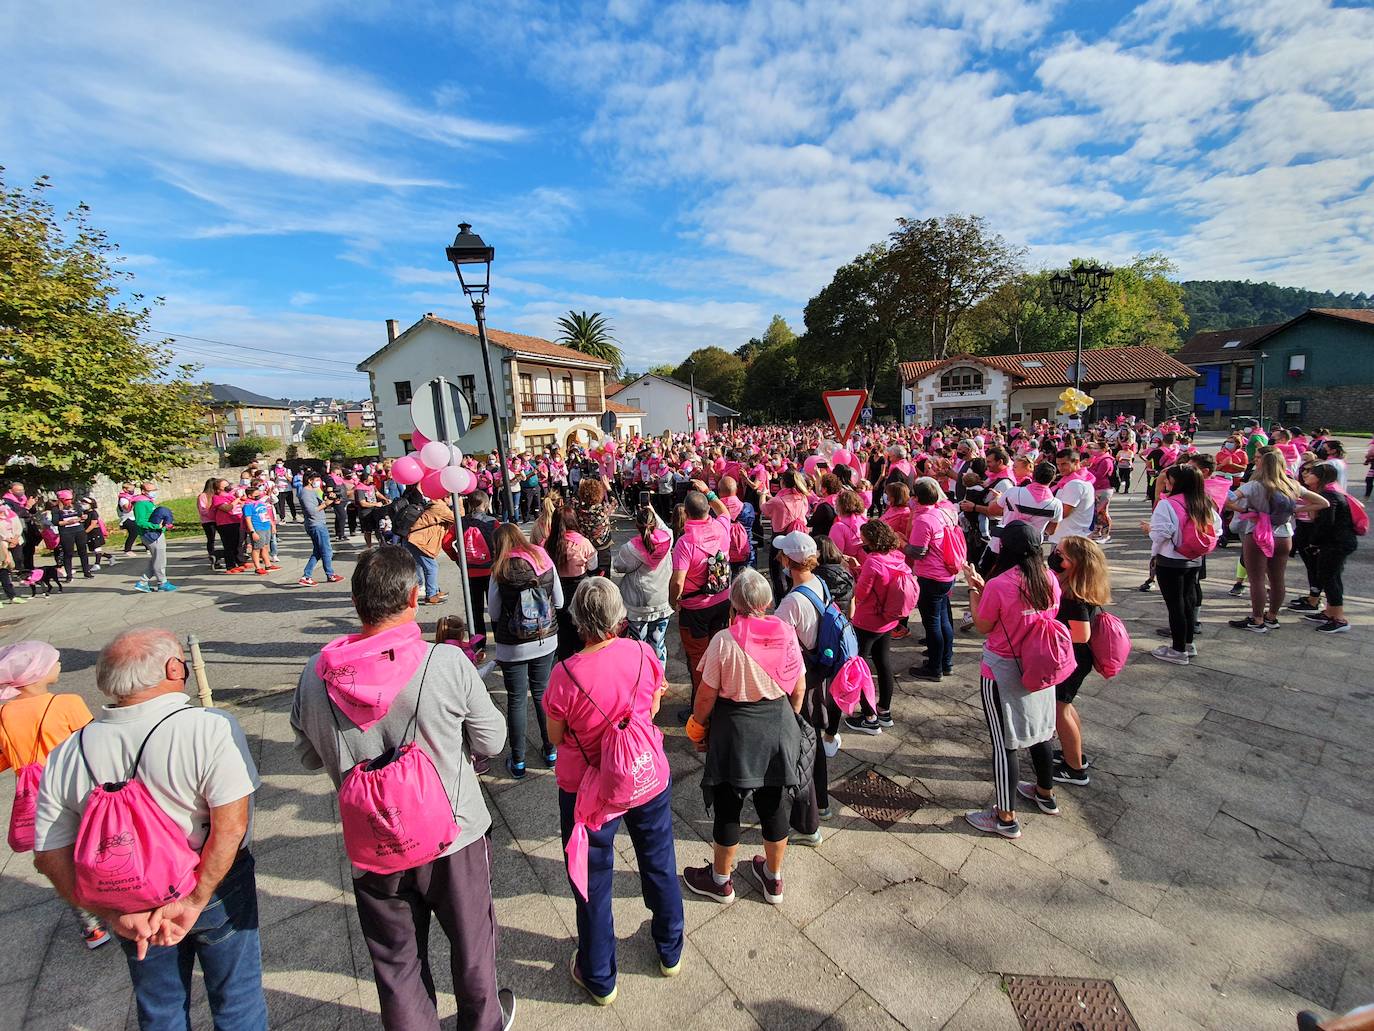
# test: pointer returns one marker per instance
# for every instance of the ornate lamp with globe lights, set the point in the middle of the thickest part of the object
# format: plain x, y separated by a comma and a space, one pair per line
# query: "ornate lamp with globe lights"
1079, 290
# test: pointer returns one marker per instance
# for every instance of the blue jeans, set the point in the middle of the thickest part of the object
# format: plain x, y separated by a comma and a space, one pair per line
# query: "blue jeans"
524, 680
651, 832
933, 605
653, 633
426, 571
320, 549
225, 940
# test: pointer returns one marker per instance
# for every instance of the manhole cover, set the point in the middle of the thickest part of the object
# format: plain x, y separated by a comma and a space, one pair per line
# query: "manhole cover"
1067, 1004
877, 798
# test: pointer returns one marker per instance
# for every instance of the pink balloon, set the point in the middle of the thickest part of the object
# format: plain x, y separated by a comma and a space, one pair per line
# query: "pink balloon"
418, 440
839, 457
454, 479
608, 446
809, 466
432, 487
435, 455
407, 470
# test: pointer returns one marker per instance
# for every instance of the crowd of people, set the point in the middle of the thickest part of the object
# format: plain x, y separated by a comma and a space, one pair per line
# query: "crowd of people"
790, 563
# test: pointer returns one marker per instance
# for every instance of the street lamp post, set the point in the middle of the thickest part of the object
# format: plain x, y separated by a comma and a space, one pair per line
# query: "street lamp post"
692, 387
1260, 401
468, 249
1079, 290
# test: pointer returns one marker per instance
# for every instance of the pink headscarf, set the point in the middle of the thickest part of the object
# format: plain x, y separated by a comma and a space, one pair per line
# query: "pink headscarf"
23, 663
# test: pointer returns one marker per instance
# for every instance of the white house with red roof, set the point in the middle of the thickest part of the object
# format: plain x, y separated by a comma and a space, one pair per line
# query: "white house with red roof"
548, 393
1142, 382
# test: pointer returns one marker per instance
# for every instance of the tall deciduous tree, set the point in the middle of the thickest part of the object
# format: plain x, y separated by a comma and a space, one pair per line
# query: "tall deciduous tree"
592, 335
944, 266
717, 372
334, 438
80, 392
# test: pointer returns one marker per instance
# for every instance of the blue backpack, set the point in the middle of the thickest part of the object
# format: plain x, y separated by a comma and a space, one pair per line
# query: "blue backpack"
836, 642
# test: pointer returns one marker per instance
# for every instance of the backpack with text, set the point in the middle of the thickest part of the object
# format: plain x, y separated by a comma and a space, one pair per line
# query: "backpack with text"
479, 545
26, 779
130, 855
1044, 654
1111, 644
836, 642
394, 808
1193, 542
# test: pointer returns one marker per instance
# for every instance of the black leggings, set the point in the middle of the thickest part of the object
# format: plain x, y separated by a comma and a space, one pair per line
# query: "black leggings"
74, 540
229, 539
131, 533
876, 648
1179, 586
1005, 768
1327, 567
5, 584
286, 499
769, 803
209, 529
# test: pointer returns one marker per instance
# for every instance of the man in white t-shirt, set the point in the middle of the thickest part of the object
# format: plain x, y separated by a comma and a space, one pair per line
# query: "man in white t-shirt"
197, 767
1076, 494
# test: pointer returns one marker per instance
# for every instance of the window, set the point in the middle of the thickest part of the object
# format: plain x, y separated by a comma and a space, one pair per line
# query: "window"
1291, 410
403, 392
468, 385
276, 429
962, 381
1297, 363
1032, 365
536, 441
260, 429
569, 402
1231, 343
633, 402
1245, 379
526, 392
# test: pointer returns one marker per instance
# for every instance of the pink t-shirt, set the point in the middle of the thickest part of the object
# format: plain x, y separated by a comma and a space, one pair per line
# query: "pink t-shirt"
845, 533
579, 555
1011, 615
928, 527
222, 517
786, 511
608, 677
701, 538
1102, 468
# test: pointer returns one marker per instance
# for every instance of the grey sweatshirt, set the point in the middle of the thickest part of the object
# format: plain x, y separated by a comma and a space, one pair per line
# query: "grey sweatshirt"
456, 719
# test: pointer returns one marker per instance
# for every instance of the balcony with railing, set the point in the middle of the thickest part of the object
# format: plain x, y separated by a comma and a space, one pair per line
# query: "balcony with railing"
559, 404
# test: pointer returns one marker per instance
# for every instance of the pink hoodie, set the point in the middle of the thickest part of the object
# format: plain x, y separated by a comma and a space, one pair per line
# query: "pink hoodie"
363, 675
879, 572
660, 544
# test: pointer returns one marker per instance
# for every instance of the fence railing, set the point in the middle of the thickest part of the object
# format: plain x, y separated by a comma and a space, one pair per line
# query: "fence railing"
559, 404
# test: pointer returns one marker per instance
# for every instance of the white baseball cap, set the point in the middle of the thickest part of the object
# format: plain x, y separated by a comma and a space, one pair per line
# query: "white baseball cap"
797, 545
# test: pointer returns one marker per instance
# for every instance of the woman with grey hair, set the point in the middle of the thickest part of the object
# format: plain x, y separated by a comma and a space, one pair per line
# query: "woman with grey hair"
610, 679
753, 682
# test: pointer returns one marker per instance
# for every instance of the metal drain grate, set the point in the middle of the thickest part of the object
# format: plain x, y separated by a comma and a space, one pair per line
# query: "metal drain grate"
877, 798
1067, 1004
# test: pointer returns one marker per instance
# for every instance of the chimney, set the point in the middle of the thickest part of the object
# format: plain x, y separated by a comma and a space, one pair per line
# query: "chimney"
392, 332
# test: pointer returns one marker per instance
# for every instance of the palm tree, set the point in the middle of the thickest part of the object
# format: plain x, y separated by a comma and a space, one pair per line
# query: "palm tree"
591, 334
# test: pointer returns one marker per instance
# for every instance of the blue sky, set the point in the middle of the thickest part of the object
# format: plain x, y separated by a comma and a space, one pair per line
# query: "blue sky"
287, 175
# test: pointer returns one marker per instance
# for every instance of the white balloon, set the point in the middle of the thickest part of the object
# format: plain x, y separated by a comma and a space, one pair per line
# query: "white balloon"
454, 479
456, 455
435, 455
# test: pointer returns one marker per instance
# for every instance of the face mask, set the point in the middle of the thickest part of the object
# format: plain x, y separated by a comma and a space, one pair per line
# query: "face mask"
152, 494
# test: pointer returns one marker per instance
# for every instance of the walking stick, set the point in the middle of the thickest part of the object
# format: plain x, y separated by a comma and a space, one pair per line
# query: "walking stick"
198, 668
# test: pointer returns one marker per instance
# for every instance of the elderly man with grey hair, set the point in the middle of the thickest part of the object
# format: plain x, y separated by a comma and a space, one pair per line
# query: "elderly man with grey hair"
362, 698
197, 767
611, 677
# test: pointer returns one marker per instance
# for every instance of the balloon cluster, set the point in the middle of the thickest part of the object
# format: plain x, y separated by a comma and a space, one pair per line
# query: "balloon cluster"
1073, 401
435, 466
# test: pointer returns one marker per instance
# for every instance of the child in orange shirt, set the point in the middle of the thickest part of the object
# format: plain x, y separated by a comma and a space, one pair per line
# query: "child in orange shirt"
34, 721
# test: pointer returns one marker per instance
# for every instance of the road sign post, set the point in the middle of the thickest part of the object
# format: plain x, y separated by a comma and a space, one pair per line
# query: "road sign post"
843, 407
440, 411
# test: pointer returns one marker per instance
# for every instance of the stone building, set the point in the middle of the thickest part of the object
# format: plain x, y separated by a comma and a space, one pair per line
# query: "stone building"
1316, 369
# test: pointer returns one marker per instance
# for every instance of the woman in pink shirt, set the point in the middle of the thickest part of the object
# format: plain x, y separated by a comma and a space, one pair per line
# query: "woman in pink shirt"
885, 584
1020, 592
573, 557
930, 522
610, 677
227, 512
844, 531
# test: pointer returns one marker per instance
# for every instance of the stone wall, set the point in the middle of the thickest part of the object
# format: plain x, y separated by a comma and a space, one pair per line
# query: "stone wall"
1344, 408
177, 483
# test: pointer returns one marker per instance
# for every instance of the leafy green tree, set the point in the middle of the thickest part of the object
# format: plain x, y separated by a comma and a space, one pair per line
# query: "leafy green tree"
778, 387
1232, 304
81, 393
334, 438
717, 372
245, 449
662, 370
591, 334
943, 267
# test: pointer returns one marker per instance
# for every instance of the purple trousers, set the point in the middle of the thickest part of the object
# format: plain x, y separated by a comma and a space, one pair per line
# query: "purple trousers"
395, 912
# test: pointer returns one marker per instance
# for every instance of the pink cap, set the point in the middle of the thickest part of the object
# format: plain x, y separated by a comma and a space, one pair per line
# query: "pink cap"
64, 495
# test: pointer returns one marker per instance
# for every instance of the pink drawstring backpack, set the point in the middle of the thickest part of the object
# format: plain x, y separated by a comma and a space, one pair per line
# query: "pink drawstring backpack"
853, 681
26, 780
130, 855
630, 771
1194, 543
1044, 653
395, 812
1111, 644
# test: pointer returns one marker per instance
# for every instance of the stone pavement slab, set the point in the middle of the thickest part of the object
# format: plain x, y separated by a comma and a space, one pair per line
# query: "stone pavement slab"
1219, 868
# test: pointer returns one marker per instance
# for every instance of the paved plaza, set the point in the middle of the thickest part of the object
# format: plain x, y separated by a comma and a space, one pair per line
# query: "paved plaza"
1217, 869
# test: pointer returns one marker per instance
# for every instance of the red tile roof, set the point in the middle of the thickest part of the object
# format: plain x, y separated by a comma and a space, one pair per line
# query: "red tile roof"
1050, 368
620, 409
522, 344
613, 388
1365, 315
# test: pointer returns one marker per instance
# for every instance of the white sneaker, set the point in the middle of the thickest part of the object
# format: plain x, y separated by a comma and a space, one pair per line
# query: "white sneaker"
1190, 649
1166, 654
832, 748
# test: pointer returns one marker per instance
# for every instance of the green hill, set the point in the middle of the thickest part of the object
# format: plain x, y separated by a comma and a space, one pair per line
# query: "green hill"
1231, 303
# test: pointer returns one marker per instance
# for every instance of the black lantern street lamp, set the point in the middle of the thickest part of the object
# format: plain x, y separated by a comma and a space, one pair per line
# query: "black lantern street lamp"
1079, 290
1259, 408
468, 249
